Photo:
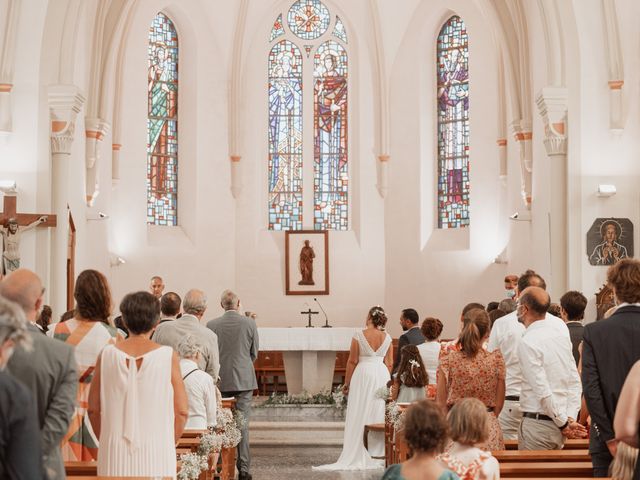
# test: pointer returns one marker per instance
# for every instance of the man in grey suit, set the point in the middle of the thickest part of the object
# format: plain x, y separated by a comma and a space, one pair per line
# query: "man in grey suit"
238, 339
409, 321
172, 332
48, 371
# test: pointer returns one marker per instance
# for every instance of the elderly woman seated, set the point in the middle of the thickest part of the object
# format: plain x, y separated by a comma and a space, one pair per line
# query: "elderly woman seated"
200, 387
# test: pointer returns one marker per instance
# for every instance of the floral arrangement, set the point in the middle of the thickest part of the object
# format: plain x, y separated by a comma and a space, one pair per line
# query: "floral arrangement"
333, 398
226, 434
382, 393
395, 416
192, 465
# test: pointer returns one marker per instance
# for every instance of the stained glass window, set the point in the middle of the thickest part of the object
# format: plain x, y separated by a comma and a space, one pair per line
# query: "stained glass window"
331, 178
308, 19
453, 124
339, 30
162, 123
277, 29
285, 137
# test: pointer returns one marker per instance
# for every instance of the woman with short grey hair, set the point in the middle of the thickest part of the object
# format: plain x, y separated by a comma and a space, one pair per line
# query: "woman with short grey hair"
20, 449
201, 389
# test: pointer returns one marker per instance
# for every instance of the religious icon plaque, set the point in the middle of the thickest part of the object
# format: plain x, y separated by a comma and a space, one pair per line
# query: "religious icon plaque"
307, 262
609, 240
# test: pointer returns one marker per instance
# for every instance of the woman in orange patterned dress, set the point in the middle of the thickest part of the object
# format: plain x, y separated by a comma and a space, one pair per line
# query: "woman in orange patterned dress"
474, 372
89, 332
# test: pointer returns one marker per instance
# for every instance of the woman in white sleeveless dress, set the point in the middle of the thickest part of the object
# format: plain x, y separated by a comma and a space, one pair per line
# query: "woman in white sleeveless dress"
368, 370
137, 403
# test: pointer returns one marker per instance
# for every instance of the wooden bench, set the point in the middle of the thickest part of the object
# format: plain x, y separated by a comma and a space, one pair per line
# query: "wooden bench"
542, 455
571, 444
545, 469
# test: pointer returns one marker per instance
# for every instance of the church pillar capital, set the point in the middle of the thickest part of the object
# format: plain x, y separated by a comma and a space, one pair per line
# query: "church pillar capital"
115, 163
95, 130
553, 104
65, 102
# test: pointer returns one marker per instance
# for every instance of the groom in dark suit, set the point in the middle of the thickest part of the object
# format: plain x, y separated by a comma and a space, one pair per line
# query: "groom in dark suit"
412, 335
238, 346
610, 348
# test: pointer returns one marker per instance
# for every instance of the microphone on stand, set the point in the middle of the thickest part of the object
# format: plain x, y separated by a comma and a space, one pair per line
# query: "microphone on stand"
326, 319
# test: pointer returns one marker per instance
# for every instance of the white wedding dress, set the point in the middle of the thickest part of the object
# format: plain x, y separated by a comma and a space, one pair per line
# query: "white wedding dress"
370, 375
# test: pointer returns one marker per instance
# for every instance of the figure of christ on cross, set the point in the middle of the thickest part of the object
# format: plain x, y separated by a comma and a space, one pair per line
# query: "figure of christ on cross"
309, 312
12, 226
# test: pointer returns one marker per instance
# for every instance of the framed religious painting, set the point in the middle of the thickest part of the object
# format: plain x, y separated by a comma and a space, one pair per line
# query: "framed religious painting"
307, 262
609, 240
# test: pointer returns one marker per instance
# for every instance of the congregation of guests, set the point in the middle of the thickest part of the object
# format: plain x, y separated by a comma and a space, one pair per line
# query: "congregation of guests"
122, 390
92, 387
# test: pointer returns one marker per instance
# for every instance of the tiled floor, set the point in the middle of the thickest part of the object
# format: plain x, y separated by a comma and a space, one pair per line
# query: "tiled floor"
294, 463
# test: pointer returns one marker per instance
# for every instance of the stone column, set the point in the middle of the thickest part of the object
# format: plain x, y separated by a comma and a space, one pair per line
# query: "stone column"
5, 108
616, 107
553, 106
523, 136
502, 156
95, 130
65, 102
383, 174
115, 163
236, 181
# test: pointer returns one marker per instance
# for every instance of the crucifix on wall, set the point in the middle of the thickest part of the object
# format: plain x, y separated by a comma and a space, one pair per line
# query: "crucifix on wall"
12, 226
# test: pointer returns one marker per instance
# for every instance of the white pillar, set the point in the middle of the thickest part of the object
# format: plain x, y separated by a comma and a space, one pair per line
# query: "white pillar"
523, 137
553, 106
115, 163
65, 102
383, 174
95, 130
5, 108
616, 106
236, 180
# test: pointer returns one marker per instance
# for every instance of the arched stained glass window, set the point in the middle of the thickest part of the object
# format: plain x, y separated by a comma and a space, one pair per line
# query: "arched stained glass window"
285, 137
319, 195
331, 185
453, 124
162, 123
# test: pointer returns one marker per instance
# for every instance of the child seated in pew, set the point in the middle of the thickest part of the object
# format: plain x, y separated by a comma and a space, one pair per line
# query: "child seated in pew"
411, 382
425, 431
469, 430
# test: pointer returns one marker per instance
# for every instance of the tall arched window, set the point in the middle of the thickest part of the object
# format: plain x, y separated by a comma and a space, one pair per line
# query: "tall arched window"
162, 123
453, 124
296, 193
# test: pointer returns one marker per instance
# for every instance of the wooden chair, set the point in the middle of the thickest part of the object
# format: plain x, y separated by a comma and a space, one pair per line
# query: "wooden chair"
374, 427
340, 370
270, 364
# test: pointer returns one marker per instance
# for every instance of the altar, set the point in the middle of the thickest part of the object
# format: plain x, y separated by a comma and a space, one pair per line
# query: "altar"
309, 354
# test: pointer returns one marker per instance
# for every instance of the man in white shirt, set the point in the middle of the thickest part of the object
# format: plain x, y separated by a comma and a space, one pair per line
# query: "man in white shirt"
505, 336
551, 389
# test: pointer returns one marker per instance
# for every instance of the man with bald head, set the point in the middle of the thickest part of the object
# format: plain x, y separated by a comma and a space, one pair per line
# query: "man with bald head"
172, 332
551, 390
48, 370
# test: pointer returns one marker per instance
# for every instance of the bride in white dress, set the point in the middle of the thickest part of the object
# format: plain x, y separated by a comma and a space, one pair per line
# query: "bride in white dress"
368, 370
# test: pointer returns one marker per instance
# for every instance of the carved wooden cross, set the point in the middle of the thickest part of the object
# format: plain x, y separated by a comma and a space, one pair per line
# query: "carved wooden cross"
309, 312
23, 219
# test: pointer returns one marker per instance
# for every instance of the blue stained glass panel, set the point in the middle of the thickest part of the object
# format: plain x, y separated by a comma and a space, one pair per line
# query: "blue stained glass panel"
162, 123
277, 29
285, 137
339, 30
453, 124
331, 160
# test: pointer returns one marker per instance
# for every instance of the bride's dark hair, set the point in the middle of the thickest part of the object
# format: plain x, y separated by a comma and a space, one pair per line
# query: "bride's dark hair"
378, 317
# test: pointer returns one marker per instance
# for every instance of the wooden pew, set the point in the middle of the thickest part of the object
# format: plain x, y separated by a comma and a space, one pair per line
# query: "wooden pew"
510, 456
571, 444
545, 469
92, 477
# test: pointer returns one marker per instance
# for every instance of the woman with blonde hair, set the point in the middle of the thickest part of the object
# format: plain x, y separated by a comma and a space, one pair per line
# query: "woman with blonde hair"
474, 372
469, 425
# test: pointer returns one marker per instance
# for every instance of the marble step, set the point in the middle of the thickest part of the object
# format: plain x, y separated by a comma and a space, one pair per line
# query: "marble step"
301, 434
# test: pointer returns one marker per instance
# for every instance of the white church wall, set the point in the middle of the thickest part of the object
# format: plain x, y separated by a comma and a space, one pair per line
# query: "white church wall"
439, 271
198, 252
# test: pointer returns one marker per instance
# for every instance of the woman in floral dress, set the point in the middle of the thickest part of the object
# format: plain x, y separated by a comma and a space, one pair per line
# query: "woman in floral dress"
89, 332
474, 372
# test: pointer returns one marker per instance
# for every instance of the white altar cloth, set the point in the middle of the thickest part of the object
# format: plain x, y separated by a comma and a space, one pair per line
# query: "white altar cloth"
309, 354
